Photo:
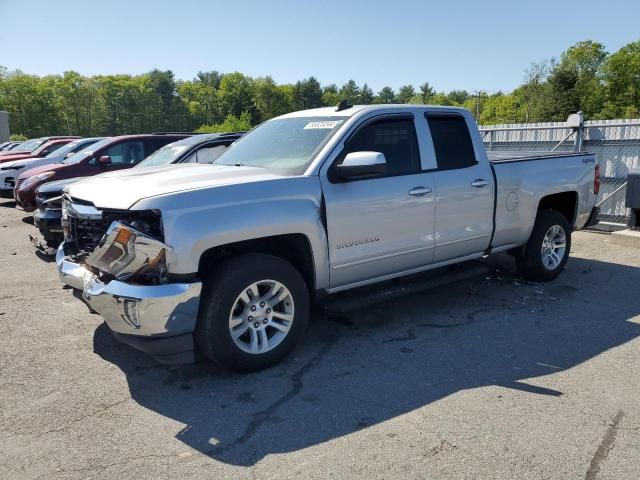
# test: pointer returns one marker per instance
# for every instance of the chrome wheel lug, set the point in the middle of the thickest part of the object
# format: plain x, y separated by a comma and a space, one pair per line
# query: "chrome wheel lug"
262, 304
265, 321
250, 318
253, 308
268, 310
256, 325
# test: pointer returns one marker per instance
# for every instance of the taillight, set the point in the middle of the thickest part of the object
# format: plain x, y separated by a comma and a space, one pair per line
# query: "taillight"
596, 180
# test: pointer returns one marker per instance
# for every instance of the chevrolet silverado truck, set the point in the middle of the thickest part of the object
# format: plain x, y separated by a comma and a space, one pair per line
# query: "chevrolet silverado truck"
224, 260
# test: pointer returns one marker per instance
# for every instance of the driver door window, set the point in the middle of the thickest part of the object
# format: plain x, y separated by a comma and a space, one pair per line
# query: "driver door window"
125, 153
396, 139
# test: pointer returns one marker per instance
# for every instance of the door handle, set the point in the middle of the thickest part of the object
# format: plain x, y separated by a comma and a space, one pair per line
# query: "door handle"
479, 183
419, 191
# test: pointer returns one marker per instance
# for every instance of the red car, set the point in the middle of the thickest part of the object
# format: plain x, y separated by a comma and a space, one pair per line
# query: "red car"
42, 150
114, 153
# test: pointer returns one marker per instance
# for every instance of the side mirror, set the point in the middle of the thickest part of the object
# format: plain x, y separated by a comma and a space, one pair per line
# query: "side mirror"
362, 165
104, 160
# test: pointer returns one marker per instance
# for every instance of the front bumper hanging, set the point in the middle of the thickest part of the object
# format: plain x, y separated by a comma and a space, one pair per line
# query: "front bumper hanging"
157, 319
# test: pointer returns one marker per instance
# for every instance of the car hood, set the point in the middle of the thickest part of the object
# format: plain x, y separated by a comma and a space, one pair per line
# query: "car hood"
121, 190
58, 185
44, 168
21, 163
15, 156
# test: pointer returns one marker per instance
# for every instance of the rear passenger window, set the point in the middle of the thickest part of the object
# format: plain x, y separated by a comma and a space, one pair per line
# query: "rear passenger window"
396, 139
451, 141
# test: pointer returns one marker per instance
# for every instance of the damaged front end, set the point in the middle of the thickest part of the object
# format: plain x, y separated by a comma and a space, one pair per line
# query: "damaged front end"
123, 276
127, 254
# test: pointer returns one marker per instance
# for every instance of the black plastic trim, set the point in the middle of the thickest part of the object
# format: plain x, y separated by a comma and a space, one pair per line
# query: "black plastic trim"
167, 350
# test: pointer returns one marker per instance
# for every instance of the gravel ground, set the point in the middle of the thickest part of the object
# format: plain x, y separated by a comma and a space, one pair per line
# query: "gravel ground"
490, 377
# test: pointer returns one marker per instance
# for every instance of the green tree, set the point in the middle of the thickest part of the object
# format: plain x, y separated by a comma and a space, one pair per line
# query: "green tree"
458, 97
621, 76
211, 78
350, 92
308, 94
386, 95
366, 96
231, 123
426, 92
574, 82
236, 94
405, 94
330, 95
269, 99
534, 93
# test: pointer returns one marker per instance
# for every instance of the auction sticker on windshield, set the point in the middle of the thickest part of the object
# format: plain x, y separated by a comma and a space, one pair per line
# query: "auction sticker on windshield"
328, 124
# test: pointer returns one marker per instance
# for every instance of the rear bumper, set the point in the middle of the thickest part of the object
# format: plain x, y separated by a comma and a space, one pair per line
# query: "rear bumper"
157, 319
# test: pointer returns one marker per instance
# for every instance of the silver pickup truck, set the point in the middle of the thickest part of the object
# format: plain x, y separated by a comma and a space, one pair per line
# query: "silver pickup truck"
226, 258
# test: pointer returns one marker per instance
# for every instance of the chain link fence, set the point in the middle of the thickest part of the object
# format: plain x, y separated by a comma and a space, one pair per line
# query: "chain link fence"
615, 143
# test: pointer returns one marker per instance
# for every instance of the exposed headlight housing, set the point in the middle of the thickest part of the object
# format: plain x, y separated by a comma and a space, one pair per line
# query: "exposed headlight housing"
35, 179
126, 253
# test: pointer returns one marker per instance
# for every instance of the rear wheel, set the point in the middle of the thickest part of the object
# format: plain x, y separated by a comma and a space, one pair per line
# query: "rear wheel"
547, 250
254, 311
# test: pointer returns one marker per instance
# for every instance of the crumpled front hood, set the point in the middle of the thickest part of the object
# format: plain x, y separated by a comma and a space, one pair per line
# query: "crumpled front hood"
122, 189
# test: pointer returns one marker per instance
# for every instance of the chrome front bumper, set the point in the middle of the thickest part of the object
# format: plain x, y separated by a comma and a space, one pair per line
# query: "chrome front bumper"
141, 310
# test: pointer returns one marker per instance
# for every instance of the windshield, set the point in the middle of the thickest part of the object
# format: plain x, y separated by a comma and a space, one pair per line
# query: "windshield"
287, 144
85, 152
29, 145
63, 150
165, 156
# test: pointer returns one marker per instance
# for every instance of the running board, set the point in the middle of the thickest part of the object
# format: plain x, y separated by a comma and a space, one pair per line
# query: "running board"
358, 298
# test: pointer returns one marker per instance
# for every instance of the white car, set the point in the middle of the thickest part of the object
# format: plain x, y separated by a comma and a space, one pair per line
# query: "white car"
9, 171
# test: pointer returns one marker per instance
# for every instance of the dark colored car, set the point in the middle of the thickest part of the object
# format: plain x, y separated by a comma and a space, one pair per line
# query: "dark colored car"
115, 153
48, 215
197, 149
29, 147
44, 149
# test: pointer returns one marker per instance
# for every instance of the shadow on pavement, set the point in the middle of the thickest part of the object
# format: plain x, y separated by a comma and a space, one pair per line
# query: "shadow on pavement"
382, 362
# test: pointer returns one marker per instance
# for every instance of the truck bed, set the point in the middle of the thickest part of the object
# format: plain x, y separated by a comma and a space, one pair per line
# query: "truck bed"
522, 156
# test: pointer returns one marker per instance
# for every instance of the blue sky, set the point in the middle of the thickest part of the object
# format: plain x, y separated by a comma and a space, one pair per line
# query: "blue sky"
452, 44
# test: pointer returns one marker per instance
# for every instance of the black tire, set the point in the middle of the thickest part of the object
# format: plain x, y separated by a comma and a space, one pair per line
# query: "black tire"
530, 260
219, 295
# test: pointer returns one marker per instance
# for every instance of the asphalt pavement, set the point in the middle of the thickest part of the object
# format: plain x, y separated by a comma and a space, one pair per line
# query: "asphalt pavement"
486, 377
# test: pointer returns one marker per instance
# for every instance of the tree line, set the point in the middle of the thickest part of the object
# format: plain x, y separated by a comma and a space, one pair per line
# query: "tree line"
585, 78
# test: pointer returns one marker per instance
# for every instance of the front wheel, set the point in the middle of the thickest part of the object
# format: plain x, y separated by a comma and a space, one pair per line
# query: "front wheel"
253, 312
547, 250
